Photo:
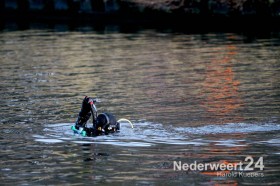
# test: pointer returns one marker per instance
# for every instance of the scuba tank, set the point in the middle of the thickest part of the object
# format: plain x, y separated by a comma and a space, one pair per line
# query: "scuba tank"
106, 123
103, 123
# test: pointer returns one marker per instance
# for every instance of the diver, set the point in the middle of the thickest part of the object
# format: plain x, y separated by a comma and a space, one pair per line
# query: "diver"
102, 124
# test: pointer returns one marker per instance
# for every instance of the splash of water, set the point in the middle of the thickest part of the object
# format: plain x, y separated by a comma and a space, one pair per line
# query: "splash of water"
147, 134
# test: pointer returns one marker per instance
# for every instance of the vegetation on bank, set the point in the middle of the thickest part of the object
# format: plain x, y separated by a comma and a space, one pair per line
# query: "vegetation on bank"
229, 8
209, 7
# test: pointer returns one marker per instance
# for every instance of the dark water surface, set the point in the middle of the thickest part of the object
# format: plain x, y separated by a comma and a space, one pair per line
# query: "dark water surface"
205, 98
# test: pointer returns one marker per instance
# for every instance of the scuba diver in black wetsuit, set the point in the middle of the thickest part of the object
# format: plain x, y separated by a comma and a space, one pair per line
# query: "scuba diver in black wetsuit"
104, 123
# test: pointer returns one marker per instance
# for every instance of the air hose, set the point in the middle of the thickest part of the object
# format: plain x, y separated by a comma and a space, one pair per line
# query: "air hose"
123, 119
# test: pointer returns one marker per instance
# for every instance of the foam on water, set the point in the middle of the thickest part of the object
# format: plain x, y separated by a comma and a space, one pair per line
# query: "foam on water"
147, 134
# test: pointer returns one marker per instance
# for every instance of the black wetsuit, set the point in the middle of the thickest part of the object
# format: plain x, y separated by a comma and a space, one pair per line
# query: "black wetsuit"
103, 123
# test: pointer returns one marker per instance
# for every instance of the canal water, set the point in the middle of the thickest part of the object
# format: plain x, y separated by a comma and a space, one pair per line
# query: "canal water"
194, 99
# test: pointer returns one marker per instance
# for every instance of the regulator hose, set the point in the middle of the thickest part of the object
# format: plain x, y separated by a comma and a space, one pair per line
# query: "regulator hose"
123, 119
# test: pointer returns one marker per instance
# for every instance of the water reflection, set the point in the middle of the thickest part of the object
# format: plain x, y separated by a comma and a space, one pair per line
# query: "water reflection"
193, 97
221, 84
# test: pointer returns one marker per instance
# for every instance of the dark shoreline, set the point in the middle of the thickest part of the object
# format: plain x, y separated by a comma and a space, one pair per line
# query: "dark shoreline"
257, 17
180, 22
